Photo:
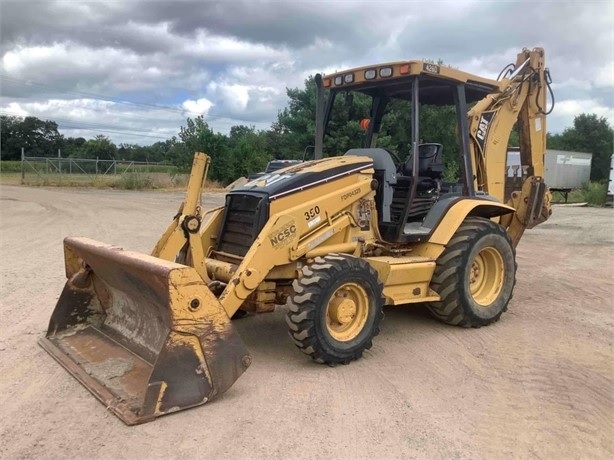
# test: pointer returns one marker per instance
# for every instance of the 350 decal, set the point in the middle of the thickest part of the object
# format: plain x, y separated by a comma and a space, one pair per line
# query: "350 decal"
313, 212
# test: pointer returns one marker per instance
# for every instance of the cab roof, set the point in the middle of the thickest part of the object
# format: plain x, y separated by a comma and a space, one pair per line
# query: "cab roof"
393, 80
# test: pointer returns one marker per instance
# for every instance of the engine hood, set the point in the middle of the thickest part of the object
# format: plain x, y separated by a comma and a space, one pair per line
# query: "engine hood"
304, 175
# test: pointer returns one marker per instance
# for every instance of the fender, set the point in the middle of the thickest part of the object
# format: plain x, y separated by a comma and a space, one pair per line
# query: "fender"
454, 211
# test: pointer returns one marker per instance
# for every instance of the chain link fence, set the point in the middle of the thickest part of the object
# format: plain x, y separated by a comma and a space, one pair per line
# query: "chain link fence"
125, 174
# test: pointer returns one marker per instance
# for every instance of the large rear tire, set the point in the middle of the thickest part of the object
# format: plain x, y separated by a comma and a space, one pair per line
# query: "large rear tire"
475, 275
336, 309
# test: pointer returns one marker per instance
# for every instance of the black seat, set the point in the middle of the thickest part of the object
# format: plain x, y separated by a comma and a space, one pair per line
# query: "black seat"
430, 161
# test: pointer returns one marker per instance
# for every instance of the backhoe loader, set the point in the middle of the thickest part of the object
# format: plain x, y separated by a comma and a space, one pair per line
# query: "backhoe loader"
335, 239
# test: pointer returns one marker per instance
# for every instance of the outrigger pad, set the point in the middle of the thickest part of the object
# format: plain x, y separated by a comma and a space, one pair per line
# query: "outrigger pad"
145, 336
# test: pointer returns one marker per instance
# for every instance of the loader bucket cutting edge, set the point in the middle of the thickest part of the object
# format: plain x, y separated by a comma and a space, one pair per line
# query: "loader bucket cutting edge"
145, 336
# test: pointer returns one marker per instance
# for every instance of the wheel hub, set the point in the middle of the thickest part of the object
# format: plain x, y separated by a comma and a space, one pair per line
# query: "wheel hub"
342, 310
486, 276
346, 312
475, 272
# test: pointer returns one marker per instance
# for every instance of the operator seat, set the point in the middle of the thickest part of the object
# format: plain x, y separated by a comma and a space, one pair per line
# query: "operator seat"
385, 174
430, 161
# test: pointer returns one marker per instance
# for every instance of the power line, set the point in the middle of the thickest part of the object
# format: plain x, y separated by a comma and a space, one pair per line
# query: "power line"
125, 133
97, 127
16, 81
86, 124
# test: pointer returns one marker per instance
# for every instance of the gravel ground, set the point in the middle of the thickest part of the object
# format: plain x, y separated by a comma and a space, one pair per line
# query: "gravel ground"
539, 383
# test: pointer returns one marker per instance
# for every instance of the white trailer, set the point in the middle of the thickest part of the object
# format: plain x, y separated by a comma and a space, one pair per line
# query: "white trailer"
563, 170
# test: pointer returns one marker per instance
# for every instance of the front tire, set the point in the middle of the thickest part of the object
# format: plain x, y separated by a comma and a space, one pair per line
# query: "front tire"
475, 275
336, 308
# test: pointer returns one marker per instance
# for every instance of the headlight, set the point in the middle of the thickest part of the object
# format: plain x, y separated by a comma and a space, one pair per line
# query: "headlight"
370, 74
385, 72
338, 80
349, 78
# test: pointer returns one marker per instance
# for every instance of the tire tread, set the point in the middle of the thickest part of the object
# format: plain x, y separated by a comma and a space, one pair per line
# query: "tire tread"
306, 301
445, 281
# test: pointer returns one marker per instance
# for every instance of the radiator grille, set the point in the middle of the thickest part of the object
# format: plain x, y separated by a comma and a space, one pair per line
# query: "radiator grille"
245, 215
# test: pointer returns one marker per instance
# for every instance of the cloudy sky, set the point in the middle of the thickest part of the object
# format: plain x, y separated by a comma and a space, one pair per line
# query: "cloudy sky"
134, 70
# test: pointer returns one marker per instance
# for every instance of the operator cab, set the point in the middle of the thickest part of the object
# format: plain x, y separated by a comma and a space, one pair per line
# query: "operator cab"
411, 196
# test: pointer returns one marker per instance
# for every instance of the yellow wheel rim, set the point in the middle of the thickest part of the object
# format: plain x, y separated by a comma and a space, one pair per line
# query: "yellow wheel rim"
486, 276
346, 312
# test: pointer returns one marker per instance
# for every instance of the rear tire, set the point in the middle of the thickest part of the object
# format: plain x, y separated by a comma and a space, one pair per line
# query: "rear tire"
475, 275
336, 309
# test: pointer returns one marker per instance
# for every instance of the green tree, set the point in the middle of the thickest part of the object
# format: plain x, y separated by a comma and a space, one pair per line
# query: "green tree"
100, 147
196, 136
36, 137
249, 150
9, 143
159, 151
295, 125
154, 153
294, 129
591, 134
72, 146
438, 124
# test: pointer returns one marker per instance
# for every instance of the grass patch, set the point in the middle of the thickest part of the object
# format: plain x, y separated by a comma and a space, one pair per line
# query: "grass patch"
9, 178
592, 193
10, 166
575, 196
134, 181
126, 181
82, 166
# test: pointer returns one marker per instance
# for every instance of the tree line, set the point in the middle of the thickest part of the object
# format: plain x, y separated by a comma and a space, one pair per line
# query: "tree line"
245, 149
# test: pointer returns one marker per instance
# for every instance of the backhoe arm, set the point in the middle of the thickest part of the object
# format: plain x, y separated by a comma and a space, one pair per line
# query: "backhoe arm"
521, 98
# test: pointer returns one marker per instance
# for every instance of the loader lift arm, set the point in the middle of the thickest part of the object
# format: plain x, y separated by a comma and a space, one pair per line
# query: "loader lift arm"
180, 242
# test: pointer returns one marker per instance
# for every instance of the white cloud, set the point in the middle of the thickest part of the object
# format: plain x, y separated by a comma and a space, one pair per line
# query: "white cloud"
565, 111
235, 96
233, 60
91, 117
604, 76
200, 106
577, 106
55, 63
211, 47
15, 109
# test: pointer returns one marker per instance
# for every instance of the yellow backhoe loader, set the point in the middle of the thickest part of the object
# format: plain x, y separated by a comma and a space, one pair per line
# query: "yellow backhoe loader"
335, 239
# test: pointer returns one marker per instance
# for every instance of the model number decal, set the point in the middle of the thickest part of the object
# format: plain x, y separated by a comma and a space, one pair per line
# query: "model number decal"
347, 195
312, 212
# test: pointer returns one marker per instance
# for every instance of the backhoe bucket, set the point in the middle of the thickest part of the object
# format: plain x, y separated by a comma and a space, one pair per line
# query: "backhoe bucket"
145, 336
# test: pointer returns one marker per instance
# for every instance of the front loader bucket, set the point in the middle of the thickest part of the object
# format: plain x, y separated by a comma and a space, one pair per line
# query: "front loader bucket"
145, 336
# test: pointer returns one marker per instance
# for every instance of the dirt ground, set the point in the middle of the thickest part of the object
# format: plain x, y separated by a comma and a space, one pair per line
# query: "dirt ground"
539, 383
